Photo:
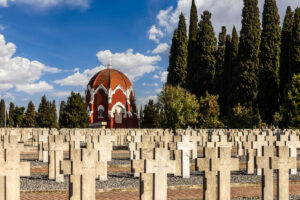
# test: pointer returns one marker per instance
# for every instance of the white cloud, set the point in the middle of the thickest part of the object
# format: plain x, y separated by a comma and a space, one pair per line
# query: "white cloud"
61, 93
8, 97
5, 86
161, 48
144, 100
224, 13
155, 33
32, 88
132, 64
155, 76
48, 3
18, 70
79, 79
158, 90
163, 76
150, 85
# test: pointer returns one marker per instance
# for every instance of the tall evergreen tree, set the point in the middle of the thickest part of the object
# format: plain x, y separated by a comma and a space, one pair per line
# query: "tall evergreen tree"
206, 62
295, 45
30, 118
11, 119
2, 113
268, 87
286, 37
19, 116
247, 83
61, 111
226, 78
75, 113
192, 45
44, 114
177, 69
53, 115
151, 115
220, 61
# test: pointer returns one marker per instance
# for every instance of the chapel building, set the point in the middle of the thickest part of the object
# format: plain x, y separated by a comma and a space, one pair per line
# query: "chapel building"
110, 100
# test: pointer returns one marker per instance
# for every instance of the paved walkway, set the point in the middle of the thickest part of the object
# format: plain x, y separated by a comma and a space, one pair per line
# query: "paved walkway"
184, 194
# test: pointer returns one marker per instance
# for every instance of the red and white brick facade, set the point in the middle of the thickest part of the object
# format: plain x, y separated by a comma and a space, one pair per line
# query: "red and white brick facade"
110, 100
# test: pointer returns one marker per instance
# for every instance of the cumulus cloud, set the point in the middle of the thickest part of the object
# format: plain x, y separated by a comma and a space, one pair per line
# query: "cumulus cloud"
62, 94
33, 88
132, 64
155, 33
144, 100
161, 48
79, 79
48, 3
224, 13
18, 70
150, 84
156, 76
163, 76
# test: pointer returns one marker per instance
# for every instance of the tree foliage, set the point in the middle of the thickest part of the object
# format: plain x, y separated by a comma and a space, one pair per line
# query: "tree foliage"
61, 121
2, 113
209, 112
180, 107
43, 118
295, 45
178, 58
268, 87
150, 117
286, 42
220, 56
192, 46
19, 116
247, 79
30, 116
291, 109
11, 119
75, 114
206, 62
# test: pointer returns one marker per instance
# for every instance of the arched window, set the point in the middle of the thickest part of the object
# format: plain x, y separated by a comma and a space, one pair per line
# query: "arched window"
118, 115
100, 111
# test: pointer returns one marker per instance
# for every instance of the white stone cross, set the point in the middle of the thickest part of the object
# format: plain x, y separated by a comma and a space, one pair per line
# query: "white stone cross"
83, 169
264, 163
283, 162
10, 171
161, 166
224, 165
186, 147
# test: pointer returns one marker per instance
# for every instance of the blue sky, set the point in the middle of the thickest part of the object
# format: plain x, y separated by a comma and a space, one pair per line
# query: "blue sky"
54, 46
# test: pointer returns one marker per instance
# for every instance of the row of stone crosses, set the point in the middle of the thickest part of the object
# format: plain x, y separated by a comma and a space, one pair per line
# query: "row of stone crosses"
154, 154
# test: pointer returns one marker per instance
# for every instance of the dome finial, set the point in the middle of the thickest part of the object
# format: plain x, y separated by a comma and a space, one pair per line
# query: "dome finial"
109, 66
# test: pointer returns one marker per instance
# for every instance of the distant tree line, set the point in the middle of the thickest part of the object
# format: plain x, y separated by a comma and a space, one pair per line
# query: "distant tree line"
72, 114
238, 81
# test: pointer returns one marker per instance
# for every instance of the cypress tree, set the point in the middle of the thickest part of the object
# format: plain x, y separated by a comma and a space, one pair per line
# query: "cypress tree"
19, 116
11, 119
220, 61
53, 115
206, 61
61, 111
247, 80
30, 118
295, 45
2, 113
230, 72
75, 113
177, 69
192, 45
268, 87
286, 37
44, 114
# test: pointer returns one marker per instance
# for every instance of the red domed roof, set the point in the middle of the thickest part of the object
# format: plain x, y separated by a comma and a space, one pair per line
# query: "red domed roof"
110, 78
